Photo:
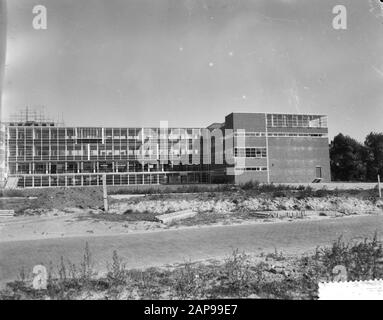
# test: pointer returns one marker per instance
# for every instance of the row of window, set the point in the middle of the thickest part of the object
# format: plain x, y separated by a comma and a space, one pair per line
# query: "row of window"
249, 134
93, 167
83, 152
116, 139
278, 134
250, 152
296, 120
94, 180
251, 169
99, 133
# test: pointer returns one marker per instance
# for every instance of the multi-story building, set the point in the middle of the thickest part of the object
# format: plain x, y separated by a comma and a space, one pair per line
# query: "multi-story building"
277, 148
255, 146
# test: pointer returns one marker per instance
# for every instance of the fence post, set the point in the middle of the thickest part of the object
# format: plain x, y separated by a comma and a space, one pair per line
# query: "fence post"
380, 190
105, 193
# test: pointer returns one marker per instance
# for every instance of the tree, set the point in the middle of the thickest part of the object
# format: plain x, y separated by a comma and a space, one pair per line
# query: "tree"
374, 159
347, 159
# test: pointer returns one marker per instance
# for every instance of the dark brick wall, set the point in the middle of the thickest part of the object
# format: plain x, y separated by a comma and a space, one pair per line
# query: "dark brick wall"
249, 121
295, 159
291, 159
251, 176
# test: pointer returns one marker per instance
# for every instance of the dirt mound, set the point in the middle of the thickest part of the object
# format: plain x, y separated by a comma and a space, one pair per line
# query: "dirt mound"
56, 198
62, 198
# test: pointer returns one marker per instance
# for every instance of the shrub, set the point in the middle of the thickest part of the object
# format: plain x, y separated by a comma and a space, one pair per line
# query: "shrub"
361, 259
277, 256
305, 193
188, 283
236, 274
322, 193
148, 286
250, 185
117, 274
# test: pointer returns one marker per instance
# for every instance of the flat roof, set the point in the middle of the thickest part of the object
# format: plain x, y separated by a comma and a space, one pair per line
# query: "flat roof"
277, 113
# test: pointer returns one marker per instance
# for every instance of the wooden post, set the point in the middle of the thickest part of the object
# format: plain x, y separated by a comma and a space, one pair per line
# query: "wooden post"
380, 190
105, 193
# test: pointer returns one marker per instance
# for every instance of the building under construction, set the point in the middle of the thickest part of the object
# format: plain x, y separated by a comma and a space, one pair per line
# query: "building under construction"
247, 146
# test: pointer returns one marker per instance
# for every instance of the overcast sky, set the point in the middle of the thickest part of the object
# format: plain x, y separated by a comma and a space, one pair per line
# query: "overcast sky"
191, 62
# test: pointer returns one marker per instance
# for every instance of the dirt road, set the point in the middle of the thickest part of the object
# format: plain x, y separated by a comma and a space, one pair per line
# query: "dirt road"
165, 247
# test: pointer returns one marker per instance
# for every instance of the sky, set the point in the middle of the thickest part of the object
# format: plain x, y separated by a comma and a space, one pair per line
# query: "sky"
3, 42
191, 62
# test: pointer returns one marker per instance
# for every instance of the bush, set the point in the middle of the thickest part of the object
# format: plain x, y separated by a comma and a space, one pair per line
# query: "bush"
236, 274
277, 256
188, 283
249, 185
305, 193
362, 260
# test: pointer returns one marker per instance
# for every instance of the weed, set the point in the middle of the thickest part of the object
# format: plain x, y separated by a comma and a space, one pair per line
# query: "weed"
148, 284
188, 283
22, 275
117, 270
87, 271
235, 274
62, 270
277, 256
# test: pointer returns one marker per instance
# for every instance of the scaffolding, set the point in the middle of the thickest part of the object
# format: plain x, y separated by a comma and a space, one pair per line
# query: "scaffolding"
35, 116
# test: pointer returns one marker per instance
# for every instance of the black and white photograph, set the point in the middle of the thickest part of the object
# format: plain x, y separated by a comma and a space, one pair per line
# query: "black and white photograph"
210, 151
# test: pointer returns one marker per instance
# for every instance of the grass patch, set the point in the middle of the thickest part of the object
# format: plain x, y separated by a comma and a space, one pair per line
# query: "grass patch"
168, 189
201, 218
11, 193
126, 216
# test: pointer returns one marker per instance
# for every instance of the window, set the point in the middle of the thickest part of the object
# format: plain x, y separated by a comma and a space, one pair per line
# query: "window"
70, 133
250, 152
108, 133
20, 135
116, 133
53, 134
294, 120
37, 134
293, 134
12, 133
249, 134
45, 134
251, 169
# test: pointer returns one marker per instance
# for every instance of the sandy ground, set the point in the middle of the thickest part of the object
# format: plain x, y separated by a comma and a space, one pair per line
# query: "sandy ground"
68, 225
79, 223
